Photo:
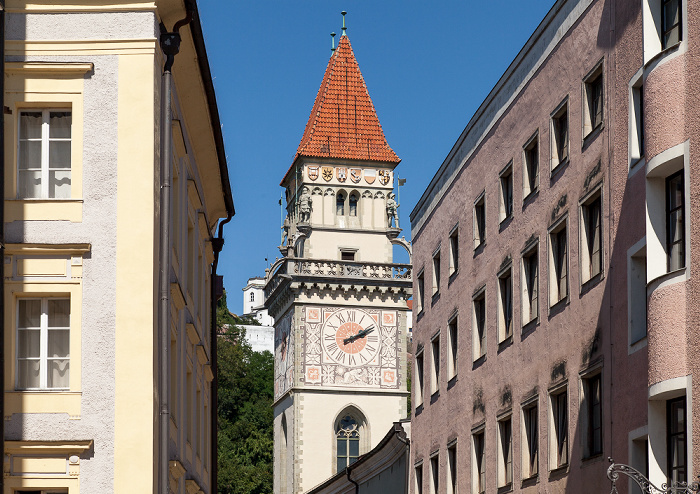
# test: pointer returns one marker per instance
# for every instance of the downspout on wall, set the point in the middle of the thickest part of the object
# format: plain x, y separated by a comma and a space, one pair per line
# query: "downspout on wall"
170, 44
2, 224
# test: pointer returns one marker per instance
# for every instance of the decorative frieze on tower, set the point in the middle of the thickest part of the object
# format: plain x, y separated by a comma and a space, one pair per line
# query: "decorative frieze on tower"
338, 300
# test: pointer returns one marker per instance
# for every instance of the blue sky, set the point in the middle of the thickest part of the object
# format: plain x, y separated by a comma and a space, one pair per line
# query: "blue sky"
428, 66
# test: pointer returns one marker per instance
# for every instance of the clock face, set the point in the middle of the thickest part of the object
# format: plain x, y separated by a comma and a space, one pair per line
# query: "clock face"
351, 337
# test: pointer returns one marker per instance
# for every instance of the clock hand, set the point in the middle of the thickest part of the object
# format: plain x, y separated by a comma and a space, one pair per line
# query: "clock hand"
360, 334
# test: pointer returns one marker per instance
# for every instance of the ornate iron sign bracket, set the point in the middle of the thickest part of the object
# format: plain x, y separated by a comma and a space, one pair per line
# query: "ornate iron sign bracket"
615, 469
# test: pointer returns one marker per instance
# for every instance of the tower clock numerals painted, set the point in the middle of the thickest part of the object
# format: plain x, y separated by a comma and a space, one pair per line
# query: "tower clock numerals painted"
351, 338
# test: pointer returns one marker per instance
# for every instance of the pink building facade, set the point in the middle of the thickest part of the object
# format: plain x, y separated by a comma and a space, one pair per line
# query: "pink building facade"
555, 292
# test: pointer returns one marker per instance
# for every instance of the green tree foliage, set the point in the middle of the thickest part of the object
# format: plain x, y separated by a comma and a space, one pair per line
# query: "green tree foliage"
245, 430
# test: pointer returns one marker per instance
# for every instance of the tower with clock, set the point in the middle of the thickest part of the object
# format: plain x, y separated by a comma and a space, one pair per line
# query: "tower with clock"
338, 299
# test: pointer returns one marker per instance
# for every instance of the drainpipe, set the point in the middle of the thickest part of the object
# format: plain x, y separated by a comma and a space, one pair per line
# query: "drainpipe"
348, 469
2, 225
215, 293
170, 44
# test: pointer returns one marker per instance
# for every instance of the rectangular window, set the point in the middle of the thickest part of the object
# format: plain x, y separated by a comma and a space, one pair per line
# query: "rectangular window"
452, 340
593, 101
347, 255
531, 159
591, 238
559, 441
505, 453
593, 420
420, 286
479, 339
436, 272
419, 479
636, 120
44, 154
480, 221
452, 466
675, 221
558, 265
454, 251
677, 450
530, 285
479, 462
435, 364
530, 441
560, 135
506, 179
434, 474
637, 293
670, 23
43, 343
419, 379
505, 299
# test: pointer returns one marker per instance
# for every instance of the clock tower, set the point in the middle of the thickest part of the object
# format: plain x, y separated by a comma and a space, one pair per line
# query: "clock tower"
337, 297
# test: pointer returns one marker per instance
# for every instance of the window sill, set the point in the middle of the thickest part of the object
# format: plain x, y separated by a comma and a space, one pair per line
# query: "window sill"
529, 481
587, 460
665, 51
479, 248
505, 488
529, 327
436, 297
559, 472
451, 383
558, 168
505, 222
504, 344
530, 197
434, 396
635, 163
452, 277
479, 362
418, 410
590, 137
558, 306
590, 283
43, 402
44, 210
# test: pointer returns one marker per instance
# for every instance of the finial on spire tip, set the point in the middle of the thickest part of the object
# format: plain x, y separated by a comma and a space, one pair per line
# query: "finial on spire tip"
343, 13
332, 41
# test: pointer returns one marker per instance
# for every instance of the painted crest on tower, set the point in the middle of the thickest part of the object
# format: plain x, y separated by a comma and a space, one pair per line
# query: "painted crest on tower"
313, 172
370, 176
355, 175
327, 173
384, 176
341, 173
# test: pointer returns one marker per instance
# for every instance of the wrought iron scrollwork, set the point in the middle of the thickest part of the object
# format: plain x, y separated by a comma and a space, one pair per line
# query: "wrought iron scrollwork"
615, 469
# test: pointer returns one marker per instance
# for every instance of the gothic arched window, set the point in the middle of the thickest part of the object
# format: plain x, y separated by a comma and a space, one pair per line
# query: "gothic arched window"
353, 204
340, 204
347, 441
252, 296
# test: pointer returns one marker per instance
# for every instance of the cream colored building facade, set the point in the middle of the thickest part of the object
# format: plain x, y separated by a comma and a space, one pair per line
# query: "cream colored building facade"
83, 358
338, 301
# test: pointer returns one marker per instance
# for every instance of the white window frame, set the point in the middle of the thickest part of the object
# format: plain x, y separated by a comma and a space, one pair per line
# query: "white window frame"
585, 257
525, 296
437, 271
555, 296
478, 462
503, 335
584, 418
588, 130
43, 344
635, 147
479, 349
452, 345
435, 363
454, 250
420, 289
479, 214
420, 377
452, 467
561, 111
554, 428
532, 403
530, 185
45, 145
637, 295
505, 469
505, 177
435, 472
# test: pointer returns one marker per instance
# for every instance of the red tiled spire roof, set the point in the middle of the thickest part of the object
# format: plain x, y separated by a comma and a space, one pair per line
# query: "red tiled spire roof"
343, 122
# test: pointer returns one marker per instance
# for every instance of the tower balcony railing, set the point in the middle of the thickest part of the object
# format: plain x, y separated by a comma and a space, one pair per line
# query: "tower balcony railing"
325, 268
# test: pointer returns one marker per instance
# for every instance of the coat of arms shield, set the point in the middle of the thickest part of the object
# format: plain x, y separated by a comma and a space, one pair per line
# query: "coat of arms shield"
355, 175
370, 176
341, 173
327, 173
384, 176
313, 172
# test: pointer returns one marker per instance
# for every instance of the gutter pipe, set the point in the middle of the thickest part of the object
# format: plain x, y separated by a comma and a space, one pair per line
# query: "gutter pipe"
348, 470
215, 292
2, 223
170, 44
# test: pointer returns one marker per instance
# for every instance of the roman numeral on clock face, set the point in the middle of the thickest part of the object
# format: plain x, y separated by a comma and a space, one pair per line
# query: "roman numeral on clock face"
340, 318
351, 315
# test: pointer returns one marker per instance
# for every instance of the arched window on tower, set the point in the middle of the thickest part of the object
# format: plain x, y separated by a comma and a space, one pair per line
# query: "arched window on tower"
347, 442
252, 296
340, 204
353, 204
